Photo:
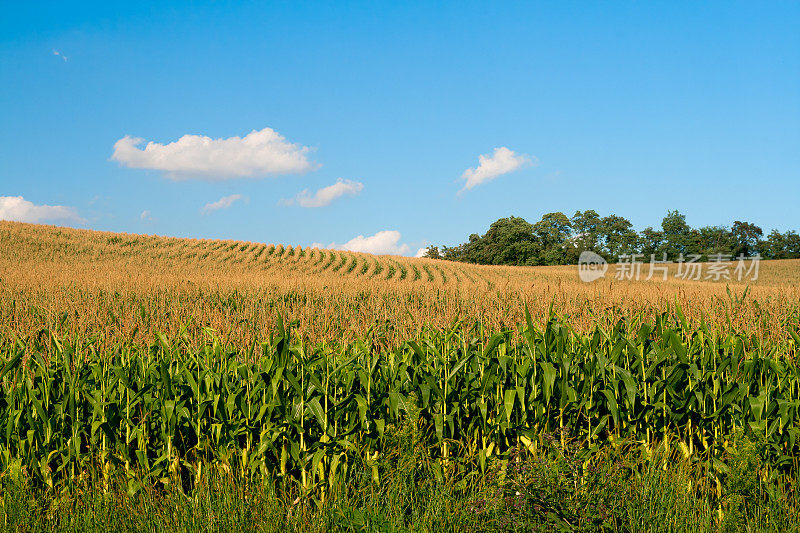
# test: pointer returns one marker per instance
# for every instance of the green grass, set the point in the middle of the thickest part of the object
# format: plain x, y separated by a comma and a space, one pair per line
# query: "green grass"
556, 489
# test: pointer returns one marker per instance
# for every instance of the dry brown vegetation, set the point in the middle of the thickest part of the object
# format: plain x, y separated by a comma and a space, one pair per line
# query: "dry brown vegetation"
129, 287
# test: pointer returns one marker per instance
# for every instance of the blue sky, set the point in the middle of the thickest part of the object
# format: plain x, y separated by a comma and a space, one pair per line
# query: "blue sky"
631, 108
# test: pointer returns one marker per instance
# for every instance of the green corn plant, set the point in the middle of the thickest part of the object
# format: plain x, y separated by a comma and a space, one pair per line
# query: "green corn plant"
305, 414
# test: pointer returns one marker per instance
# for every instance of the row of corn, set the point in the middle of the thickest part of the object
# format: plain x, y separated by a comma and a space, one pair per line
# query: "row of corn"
307, 413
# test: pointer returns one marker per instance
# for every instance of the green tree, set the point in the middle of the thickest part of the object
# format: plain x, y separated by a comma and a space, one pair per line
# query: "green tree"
586, 230
557, 239
791, 245
617, 237
509, 241
469, 252
677, 235
715, 240
432, 253
779, 245
651, 243
747, 238
552, 234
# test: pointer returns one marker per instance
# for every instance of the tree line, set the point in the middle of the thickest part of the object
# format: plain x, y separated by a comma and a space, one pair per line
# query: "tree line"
559, 240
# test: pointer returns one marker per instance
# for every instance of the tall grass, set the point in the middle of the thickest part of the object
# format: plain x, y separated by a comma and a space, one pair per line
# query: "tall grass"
557, 488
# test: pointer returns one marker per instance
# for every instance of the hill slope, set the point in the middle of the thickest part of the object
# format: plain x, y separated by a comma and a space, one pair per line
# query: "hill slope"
127, 285
29, 243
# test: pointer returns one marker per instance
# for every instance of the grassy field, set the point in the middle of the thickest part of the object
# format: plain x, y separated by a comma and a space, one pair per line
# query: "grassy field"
156, 383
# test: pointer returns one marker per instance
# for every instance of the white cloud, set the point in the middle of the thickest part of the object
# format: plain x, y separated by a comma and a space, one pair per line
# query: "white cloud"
326, 195
382, 243
421, 252
18, 209
489, 167
223, 203
258, 153
146, 215
60, 54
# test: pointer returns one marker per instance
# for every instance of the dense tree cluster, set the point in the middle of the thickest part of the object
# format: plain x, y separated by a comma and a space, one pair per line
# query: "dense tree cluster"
559, 240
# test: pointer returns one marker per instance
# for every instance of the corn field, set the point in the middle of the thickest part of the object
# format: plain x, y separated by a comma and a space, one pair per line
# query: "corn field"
121, 288
304, 412
163, 363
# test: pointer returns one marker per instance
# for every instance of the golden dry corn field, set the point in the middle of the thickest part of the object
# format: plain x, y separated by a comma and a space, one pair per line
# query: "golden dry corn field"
124, 286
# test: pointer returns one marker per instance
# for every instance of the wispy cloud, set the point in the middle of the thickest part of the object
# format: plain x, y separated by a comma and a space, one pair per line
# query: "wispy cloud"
502, 161
60, 54
257, 154
223, 203
146, 215
382, 243
18, 209
325, 195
